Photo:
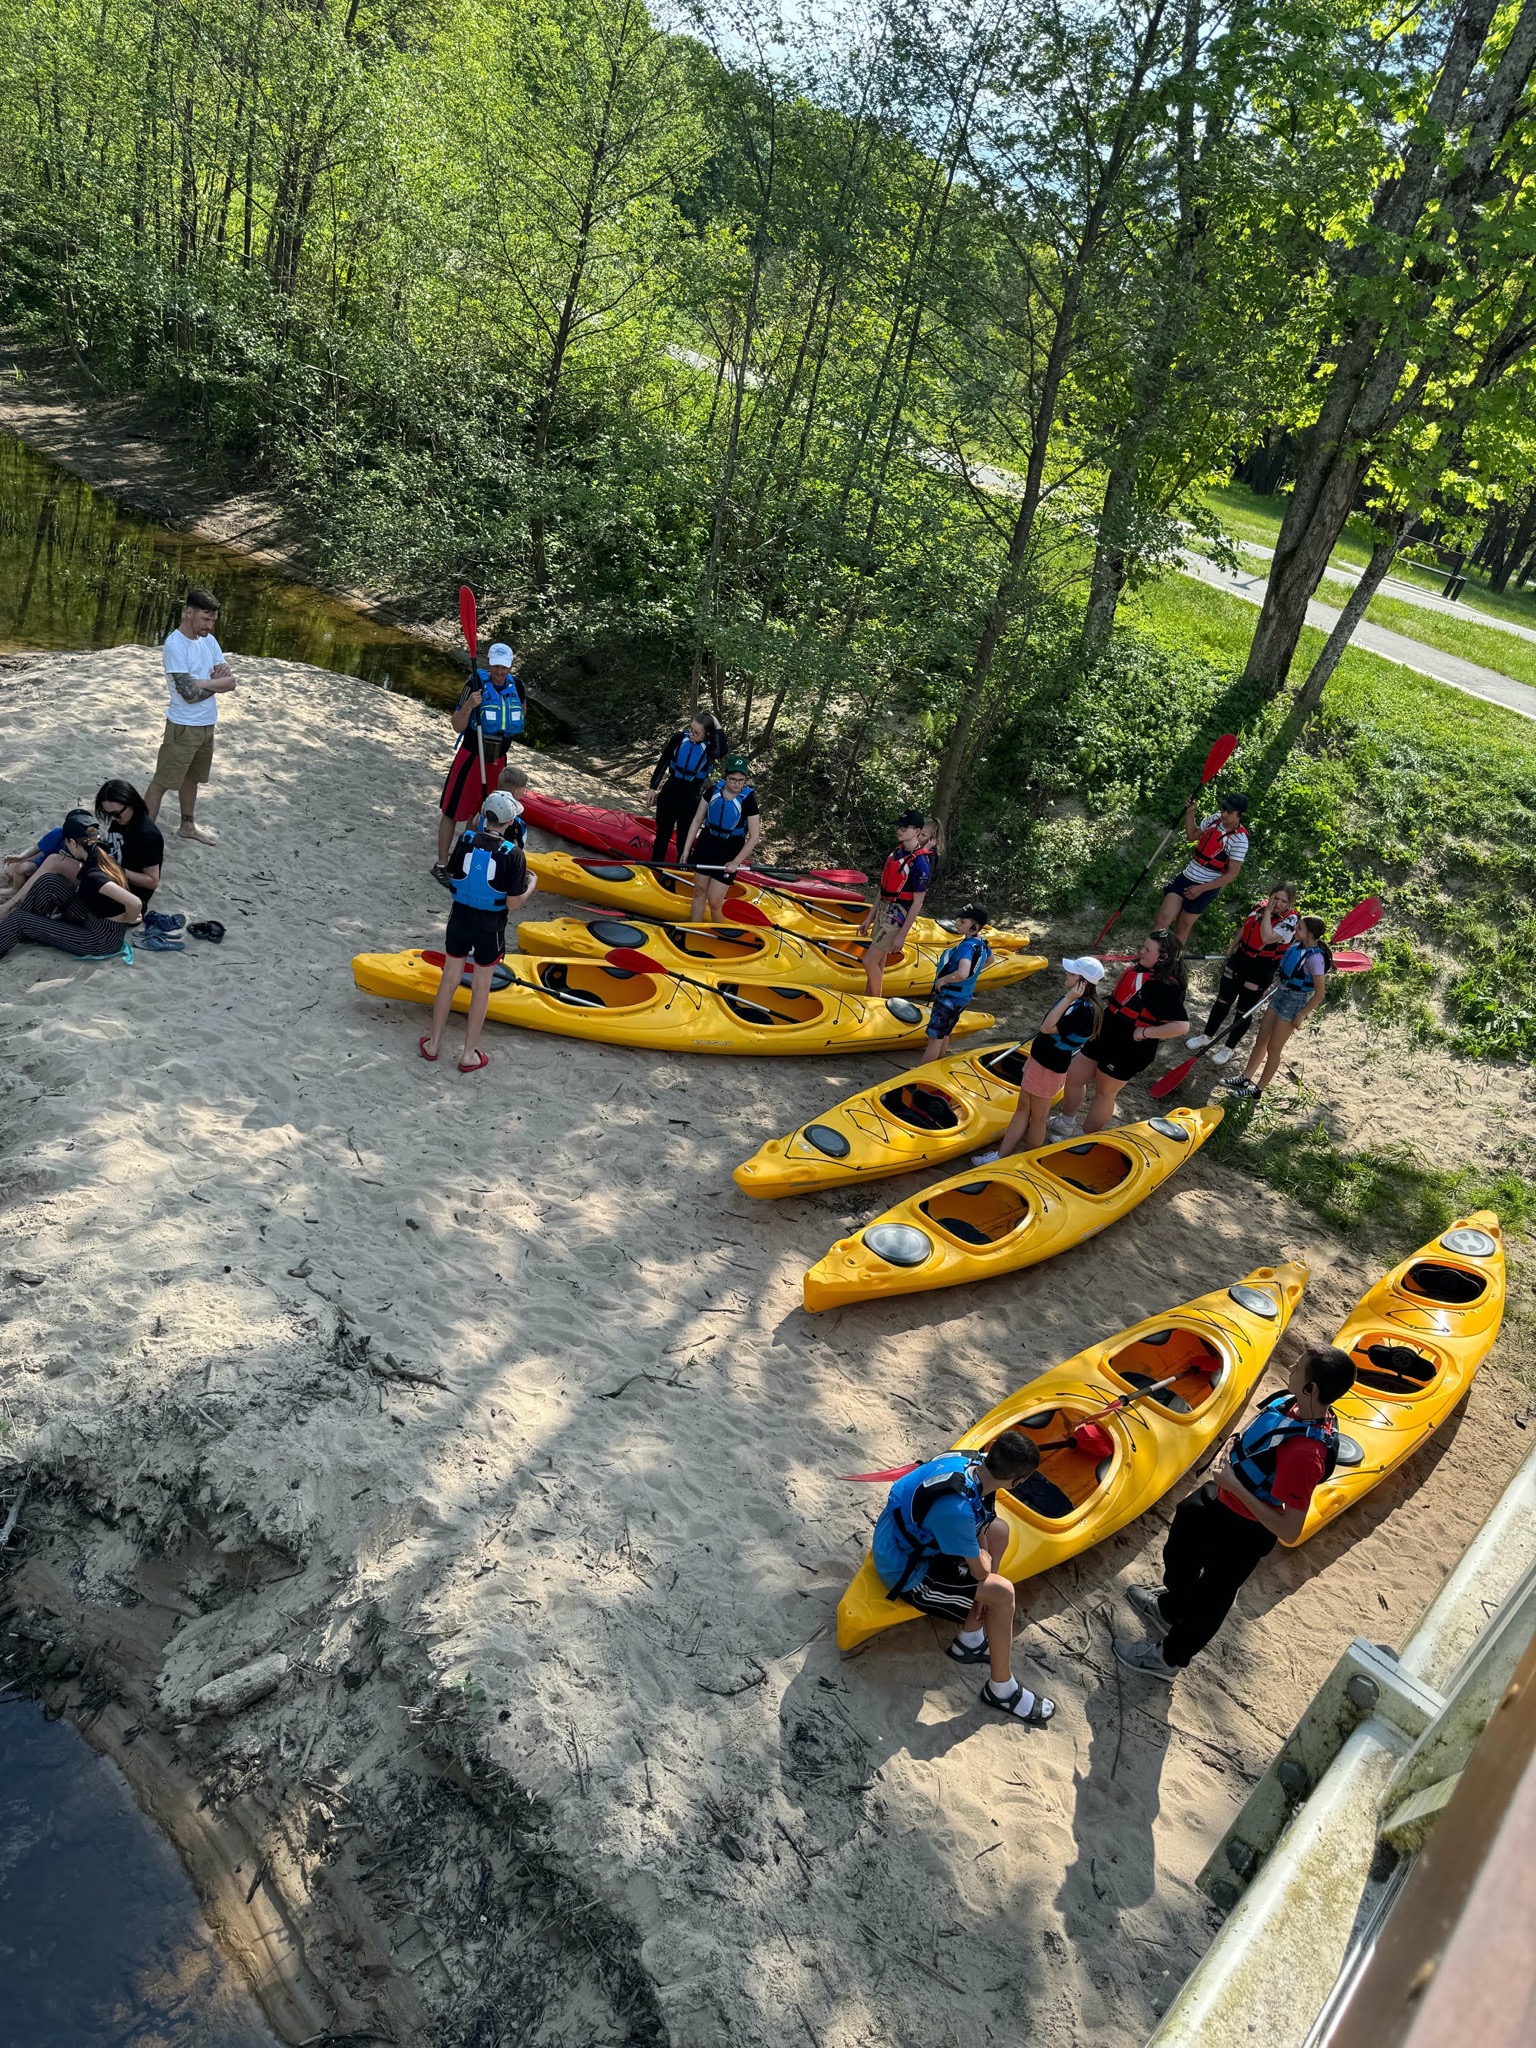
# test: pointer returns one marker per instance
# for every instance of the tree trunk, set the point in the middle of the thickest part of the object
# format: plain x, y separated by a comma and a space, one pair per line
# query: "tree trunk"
1518, 548
1383, 555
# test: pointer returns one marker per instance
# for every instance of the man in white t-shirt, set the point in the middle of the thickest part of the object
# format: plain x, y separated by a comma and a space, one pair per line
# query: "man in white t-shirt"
196, 676
1220, 843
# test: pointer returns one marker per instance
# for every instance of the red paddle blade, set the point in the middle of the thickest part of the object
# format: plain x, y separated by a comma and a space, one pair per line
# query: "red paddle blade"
637, 963
469, 621
743, 912
1093, 1441
869, 1478
1358, 920
1172, 1079
1352, 963
1218, 757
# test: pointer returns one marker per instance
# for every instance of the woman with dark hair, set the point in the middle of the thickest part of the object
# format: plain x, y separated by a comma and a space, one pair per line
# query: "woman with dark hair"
1145, 1006
1248, 970
1299, 987
681, 777
131, 837
90, 916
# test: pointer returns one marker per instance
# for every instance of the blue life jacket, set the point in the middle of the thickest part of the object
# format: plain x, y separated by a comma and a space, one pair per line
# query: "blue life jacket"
975, 952
501, 711
909, 1500
1258, 1448
1295, 969
1074, 1032
476, 888
725, 814
690, 760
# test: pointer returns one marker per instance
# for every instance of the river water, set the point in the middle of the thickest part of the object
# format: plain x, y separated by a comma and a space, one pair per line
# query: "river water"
79, 570
101, 1941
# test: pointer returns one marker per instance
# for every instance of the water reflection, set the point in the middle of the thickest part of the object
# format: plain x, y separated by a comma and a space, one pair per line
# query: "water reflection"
101, 1942
78, 570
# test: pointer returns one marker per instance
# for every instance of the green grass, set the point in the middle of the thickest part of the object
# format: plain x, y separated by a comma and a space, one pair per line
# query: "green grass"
1507, 653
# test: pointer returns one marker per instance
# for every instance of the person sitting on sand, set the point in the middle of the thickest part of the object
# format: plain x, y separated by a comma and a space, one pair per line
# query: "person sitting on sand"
1145, 1006
1259, 1498
726, 826
45, 856
938, 1544
955, 983
88, 915
196, 676
1221, 846
489, 879
1067, 1026
464, 792
132, 839
1248, 970
904, 883
679, 778
1299, 987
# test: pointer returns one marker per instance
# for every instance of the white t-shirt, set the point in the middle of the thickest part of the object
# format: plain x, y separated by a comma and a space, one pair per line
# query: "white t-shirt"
197, 659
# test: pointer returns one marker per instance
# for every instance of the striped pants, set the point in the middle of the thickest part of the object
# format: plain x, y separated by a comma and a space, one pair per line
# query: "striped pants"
52, 916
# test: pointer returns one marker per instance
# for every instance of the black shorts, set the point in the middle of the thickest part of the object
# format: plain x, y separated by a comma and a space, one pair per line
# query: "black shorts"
946, 1014
1195, 896
478, 935
1119, 1057
946, 1589
714, 849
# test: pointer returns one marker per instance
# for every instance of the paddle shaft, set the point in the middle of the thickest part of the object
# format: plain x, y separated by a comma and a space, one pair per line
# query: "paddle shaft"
469, 620
1217, 759
1117, 1407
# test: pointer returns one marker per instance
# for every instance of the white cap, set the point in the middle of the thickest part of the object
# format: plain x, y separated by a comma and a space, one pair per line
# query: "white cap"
1088, 968
500, 655
503, 808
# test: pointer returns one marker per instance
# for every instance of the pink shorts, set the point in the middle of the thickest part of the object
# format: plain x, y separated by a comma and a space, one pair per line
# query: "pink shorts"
1038, 1080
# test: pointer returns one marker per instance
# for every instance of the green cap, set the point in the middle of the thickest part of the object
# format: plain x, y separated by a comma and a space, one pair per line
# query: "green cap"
737, 764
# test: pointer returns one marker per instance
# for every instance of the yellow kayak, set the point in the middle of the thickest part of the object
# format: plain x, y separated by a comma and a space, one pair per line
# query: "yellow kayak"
1416, 1338
997, 1219
1074, 1501
920, 1118
716, 951
667, 893
588, 999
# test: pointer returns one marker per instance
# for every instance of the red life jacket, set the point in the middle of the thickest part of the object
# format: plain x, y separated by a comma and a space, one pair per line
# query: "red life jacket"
1251, 938
1129, 1002
1211, 846
893, 876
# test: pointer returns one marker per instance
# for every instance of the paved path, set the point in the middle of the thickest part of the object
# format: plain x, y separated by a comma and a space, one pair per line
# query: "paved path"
1424, 661
1415, 593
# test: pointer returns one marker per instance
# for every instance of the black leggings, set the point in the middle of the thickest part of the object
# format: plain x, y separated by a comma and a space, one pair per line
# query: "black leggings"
52, 915
1244, 979
674, 813
1209, 1553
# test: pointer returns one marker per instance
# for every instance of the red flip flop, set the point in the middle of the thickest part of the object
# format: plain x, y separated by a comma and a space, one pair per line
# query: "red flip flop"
480, 1060
421, 1047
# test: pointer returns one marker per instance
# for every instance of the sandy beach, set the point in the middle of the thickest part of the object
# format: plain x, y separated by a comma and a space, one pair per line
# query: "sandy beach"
489, 1403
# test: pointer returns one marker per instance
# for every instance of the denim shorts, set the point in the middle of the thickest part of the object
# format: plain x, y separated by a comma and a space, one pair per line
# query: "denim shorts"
1288, 1003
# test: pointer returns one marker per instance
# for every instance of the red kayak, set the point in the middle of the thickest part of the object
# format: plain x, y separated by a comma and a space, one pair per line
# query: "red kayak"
633, 834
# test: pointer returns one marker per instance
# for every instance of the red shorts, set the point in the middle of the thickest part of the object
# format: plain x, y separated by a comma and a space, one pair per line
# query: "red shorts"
1040, 1081
462, 794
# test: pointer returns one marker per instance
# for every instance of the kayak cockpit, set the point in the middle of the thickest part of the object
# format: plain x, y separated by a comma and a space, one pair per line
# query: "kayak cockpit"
979, 1212
1402, 1372
1093, 1169
923, 1109
771, 1007
1066, 1479
1006, 1064
592, 986
1196, 1366
1446, 1286
725, 942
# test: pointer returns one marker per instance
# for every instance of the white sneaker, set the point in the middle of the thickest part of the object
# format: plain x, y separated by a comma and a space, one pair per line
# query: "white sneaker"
986, 1158
1061, 1127
1222, 1054
1197, 1043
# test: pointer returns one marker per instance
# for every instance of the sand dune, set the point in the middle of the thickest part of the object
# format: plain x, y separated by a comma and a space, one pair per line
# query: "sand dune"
598, 1567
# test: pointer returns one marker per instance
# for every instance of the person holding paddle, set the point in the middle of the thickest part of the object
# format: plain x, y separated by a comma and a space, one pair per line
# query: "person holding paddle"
938, 1545
1259, 1498
1299, 988
1221, 846
1071, 1023
1145, 1006
489, 878
678, 779
1248, 970
726, 826
478, 761
903, 884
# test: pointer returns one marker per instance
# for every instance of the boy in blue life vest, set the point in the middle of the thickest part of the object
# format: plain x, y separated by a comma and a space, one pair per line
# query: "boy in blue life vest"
487, 718
938, 1544
955, 983
1259, 1498
489, 877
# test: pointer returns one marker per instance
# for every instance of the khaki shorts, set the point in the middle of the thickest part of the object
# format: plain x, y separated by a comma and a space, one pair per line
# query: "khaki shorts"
186, 755
890, 925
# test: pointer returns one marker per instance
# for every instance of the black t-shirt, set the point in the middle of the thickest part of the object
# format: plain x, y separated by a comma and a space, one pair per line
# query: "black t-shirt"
496, 744
509, 870
134, 849
89, 888
1076, 1022
1161, 1001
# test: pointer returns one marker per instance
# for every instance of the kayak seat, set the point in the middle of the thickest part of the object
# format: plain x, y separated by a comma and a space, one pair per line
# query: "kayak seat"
1095, 1167
1393, 1369
1451, 1285
1170, 1397
1007, 1065
924, 1108
967, 1232
1043, 1496
556, 982
979, 1212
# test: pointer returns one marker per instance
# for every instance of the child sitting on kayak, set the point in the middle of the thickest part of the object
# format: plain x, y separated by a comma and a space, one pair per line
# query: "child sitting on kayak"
955, 983
1071, 1023
489, 878
938, 1544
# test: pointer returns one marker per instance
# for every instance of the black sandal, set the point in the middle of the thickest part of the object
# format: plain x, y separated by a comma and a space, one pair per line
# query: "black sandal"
209, 928
964, 1654
1038, 1714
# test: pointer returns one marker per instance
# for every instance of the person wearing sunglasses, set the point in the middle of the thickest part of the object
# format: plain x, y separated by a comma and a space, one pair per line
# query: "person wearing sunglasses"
90, 916
132, 838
